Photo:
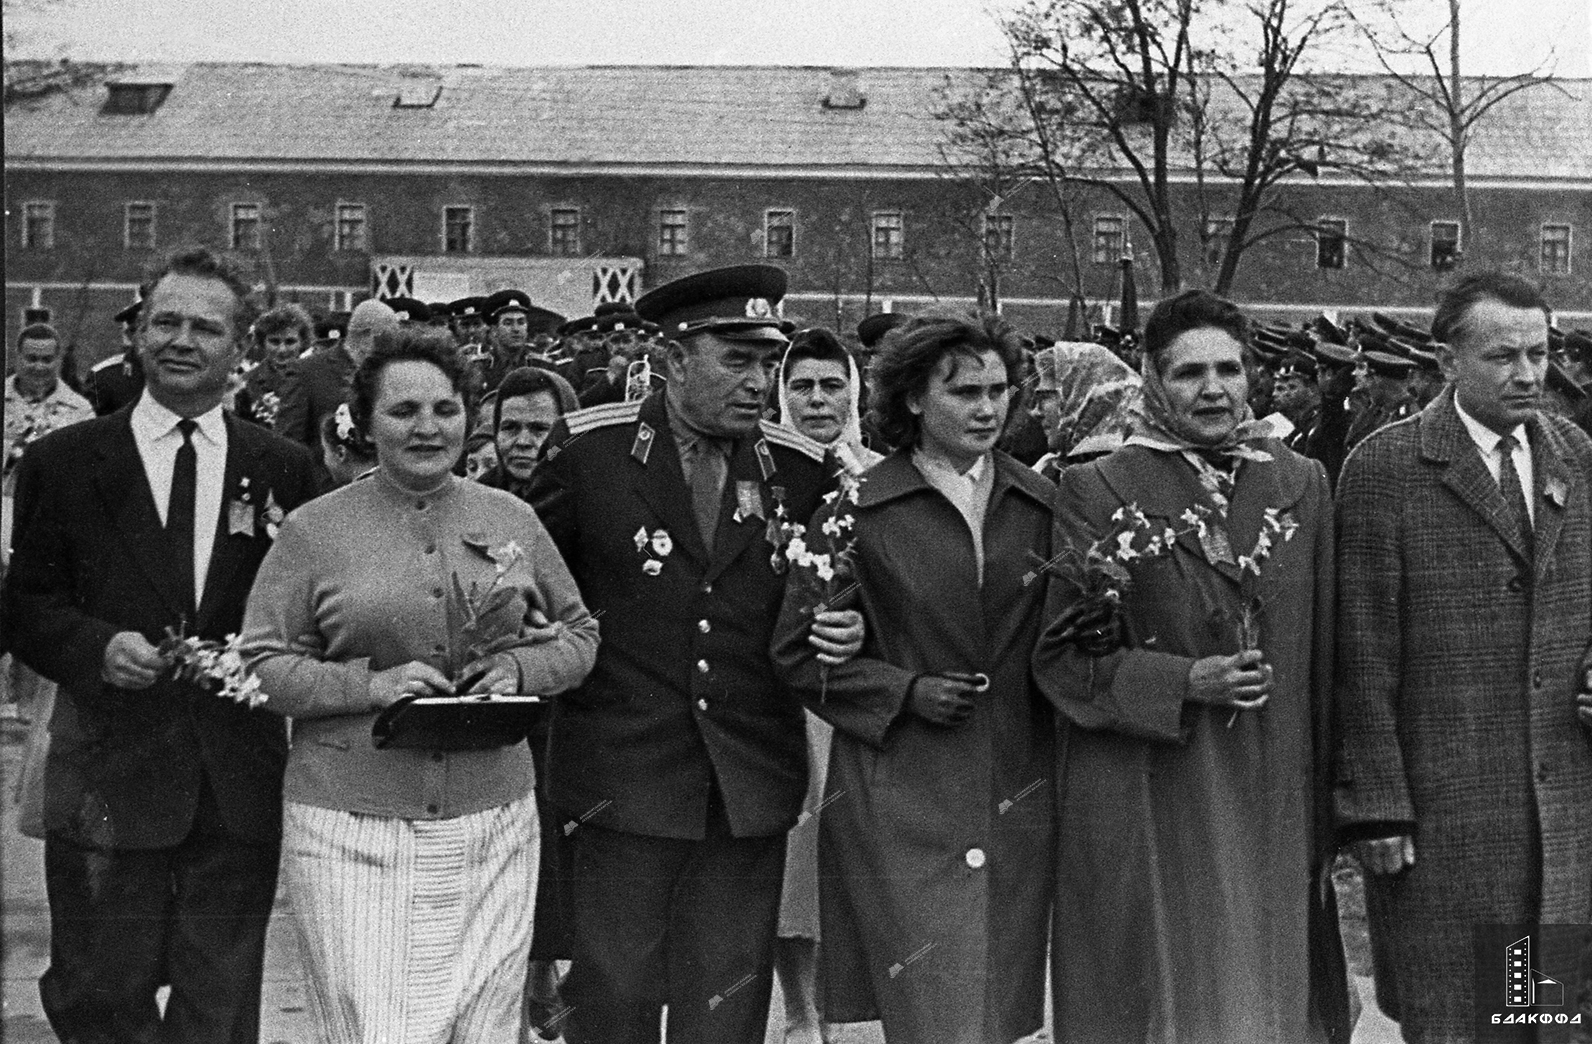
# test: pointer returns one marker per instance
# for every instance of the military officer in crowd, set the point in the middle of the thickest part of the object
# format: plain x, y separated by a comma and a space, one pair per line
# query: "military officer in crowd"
1336, 363
1384, 391
680, 764
467, 320
1296, 396
118, 380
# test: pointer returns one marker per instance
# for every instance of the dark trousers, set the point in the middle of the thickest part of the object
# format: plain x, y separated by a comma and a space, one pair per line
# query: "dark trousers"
125, 922
659, 921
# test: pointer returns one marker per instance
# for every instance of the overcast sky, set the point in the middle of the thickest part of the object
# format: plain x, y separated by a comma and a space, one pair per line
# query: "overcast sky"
1503, 35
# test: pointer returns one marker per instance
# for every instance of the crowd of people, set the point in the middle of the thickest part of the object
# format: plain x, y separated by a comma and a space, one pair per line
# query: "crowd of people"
579, 678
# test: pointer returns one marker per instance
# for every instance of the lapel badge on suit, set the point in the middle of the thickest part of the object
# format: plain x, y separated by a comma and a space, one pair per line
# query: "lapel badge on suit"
748, 501
641, 449
240, 512
1554, 489
765, 459
272, 515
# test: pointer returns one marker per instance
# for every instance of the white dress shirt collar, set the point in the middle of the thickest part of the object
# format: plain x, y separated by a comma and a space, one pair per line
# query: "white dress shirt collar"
153, 421
1487, 440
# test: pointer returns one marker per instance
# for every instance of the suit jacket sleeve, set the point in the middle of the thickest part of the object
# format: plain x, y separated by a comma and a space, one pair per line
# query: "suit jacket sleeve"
293, 415
1134, 691
1371, 786
283, 643
48, 631
862, 697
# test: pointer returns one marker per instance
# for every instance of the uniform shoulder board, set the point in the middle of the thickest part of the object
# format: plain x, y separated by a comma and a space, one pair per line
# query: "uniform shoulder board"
114, 360
782, 436
604, 416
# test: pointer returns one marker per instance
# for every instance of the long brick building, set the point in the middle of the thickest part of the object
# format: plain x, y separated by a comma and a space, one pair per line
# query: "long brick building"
584, 184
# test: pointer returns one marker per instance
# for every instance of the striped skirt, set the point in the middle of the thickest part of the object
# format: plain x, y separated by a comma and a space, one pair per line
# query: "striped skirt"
414, 931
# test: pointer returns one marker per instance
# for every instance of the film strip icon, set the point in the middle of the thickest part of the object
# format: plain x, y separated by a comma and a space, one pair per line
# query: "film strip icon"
1517, 974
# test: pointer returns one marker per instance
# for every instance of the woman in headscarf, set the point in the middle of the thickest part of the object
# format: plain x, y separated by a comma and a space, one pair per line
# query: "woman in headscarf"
1085, 398
818, 392
1192, 904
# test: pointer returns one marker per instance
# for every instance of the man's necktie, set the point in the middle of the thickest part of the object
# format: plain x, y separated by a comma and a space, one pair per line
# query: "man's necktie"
1514, 494
708, 472
180, 510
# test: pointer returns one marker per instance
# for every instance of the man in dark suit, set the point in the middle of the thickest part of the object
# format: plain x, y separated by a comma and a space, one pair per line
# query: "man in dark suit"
162, 800
680, 764
319, 384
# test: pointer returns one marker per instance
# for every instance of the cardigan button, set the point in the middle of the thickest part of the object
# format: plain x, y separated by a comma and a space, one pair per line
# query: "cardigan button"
436, 592
433, 809
975, 858
431, 549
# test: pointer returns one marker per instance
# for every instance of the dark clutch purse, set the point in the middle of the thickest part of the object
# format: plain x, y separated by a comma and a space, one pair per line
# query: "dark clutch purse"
477, 722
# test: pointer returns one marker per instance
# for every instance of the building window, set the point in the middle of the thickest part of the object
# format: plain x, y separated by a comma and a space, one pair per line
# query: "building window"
1555, 250
138, 226
1218, 230
1445, 245
351, 227
779, 233
458, 230
564, 232
998, 236
1110, 237
1332, 242
671, 233
889, 235
38, 226
245, 226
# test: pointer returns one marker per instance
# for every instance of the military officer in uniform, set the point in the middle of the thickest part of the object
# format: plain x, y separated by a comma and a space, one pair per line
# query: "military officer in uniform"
1336, 363
118, 380
680, 764
1385, 389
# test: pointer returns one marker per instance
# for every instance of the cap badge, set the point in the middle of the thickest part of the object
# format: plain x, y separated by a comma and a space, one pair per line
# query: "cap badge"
759, 308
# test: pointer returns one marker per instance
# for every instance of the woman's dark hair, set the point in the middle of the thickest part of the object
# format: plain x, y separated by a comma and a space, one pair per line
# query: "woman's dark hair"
815, 343
427, 344
286, 317
1454, 302
909, 354
533, 380
1192, 310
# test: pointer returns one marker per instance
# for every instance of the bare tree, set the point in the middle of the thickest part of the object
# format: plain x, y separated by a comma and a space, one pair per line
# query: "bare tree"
1133, 96
994, 143
1450, 105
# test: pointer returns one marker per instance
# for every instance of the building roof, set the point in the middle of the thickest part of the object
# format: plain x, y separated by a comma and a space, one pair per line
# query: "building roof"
668, 117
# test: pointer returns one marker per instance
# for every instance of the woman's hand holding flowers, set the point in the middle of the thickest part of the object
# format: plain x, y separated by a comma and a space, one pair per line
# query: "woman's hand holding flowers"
1241, 681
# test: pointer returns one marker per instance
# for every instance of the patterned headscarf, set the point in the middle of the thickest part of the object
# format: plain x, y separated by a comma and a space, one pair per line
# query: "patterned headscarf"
1155, 425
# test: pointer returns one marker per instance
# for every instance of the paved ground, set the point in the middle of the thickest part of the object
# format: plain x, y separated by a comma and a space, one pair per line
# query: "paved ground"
25, 950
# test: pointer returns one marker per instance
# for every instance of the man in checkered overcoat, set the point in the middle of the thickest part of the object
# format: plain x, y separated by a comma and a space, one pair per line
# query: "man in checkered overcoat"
1465, 609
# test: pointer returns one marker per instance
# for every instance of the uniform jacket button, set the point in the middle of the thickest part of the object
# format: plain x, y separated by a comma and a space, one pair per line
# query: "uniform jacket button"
702, 666
704, 626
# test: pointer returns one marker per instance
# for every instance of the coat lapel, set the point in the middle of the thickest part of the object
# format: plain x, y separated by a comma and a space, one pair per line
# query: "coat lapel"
660, 481
1556, 486
228, 552
1445, 441
123, 485
1261, 485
